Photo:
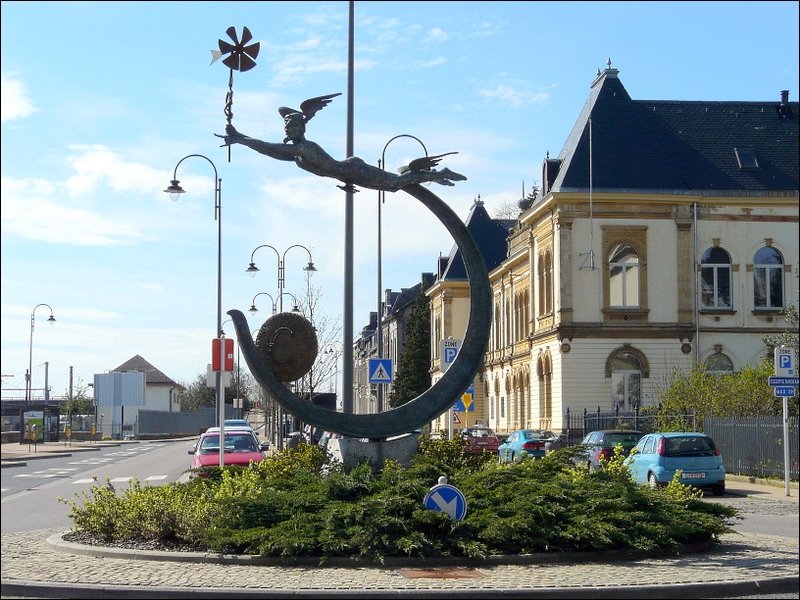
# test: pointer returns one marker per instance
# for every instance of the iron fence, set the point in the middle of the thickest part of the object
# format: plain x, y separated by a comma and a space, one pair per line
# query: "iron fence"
754, 446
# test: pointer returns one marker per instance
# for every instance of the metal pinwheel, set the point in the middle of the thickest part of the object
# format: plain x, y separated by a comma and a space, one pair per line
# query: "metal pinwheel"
239, 56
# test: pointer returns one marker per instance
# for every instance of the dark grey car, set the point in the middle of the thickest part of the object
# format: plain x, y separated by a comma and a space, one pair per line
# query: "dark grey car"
599, 445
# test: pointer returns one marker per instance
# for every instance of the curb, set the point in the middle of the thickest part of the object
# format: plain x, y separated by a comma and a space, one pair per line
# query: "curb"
721, 589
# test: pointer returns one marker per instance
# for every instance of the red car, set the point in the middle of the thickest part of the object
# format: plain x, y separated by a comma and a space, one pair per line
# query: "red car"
480, 439
241, 448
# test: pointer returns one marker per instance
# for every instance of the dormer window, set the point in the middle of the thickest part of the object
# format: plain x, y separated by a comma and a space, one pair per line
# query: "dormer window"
746, 158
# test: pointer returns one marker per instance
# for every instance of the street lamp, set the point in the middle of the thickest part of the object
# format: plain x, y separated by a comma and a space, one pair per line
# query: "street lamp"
295, 309
336, 352
253, 269
174, 190
379, 328
29, 375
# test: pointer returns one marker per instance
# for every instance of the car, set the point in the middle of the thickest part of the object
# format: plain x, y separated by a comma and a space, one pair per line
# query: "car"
479, 439
597, 446
237, 423
524, 443
241, 449
658, 456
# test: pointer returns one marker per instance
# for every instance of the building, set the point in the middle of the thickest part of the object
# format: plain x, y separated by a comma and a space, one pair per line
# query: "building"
449, 296
666, 235
119, 399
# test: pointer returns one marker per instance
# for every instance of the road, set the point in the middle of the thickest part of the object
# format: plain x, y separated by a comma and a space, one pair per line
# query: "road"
30, 494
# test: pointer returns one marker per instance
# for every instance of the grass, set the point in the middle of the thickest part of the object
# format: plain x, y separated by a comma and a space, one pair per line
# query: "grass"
300, 503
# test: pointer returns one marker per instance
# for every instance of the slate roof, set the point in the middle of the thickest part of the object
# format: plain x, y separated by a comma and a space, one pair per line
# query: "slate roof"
152, 376
490, 236
676, 146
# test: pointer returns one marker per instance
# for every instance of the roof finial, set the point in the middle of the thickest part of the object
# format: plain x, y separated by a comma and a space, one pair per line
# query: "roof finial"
609, 62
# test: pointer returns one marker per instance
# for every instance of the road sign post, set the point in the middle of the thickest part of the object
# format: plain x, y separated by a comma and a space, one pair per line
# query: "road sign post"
784, 383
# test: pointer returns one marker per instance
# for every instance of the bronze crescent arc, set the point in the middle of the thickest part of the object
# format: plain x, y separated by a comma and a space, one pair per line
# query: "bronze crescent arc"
438, 398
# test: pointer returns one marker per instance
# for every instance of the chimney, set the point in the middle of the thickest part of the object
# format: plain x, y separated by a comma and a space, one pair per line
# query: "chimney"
785, 109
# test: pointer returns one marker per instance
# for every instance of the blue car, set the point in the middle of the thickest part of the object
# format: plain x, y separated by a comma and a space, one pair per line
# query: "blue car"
524, 443
657, 456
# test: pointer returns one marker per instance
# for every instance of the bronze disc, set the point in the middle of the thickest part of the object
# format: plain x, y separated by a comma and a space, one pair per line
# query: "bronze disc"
288, 343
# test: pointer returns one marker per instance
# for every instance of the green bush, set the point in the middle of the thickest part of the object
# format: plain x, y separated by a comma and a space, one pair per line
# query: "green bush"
298, 503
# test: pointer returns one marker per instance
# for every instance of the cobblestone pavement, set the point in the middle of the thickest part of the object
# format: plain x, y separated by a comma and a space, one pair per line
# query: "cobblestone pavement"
742, 562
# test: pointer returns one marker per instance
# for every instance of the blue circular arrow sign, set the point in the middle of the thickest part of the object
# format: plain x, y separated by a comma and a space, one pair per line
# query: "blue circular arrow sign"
447, 499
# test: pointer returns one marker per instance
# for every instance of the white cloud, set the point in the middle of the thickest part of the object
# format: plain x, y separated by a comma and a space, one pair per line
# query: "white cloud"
513, 96
15, 102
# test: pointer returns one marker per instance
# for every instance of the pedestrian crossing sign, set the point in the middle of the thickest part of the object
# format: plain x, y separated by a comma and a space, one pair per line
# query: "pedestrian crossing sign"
380, 370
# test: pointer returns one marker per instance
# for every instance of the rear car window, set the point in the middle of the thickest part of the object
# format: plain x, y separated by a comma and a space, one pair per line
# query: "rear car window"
690, 446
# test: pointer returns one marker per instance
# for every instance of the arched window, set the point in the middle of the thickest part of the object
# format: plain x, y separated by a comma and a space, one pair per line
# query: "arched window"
768, 278
623, 277
715, 278
625, 368
719, 363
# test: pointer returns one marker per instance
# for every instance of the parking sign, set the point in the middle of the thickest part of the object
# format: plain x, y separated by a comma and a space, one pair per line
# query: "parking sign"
448, 350
785, 362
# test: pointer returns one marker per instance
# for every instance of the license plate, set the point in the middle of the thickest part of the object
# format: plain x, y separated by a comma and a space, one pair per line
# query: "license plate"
694, 476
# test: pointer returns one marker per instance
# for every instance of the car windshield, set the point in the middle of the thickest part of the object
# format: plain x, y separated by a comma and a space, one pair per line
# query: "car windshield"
626, 439
233, 443
690, 446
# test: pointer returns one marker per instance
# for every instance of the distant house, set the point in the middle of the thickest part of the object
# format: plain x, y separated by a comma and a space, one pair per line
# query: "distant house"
119, 399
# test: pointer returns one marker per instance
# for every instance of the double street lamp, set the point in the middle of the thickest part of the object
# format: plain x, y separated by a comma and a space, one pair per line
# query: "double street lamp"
174, 190
254, 309
29, 374
252, 269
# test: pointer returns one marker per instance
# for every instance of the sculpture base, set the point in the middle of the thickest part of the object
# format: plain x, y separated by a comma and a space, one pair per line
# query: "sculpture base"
353, 451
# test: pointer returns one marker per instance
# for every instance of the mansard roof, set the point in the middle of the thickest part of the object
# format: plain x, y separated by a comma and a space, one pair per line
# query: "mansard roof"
677, 146
491, 237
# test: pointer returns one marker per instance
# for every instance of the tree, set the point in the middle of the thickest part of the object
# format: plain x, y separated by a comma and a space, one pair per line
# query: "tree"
509, 210
413, 368
742, 394
79, 401
790, 336
197, 394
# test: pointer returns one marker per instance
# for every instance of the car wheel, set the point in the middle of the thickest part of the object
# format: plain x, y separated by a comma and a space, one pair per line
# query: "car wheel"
500, 458
718, 489
652, 481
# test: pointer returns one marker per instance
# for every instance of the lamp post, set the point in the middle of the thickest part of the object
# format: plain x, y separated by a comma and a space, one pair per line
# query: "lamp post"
379, 328
336, 352
174, 190
29, 375
252, 269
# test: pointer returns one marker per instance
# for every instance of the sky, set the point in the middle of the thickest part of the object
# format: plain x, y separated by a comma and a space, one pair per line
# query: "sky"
102, 100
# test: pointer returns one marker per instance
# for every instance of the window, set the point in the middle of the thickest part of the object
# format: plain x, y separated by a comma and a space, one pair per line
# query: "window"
715, 278
626, 381
623, 278
768, 278
746, 158
719, 363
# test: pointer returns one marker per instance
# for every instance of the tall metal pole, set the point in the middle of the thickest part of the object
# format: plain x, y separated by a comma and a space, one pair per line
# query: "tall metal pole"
347, 320
379, 327
29, 376
174, 190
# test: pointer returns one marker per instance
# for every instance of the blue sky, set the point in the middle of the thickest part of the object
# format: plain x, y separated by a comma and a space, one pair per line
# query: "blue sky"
100, 101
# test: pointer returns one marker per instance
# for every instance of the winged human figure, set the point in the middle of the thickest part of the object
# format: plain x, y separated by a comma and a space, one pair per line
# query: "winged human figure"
352, 171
